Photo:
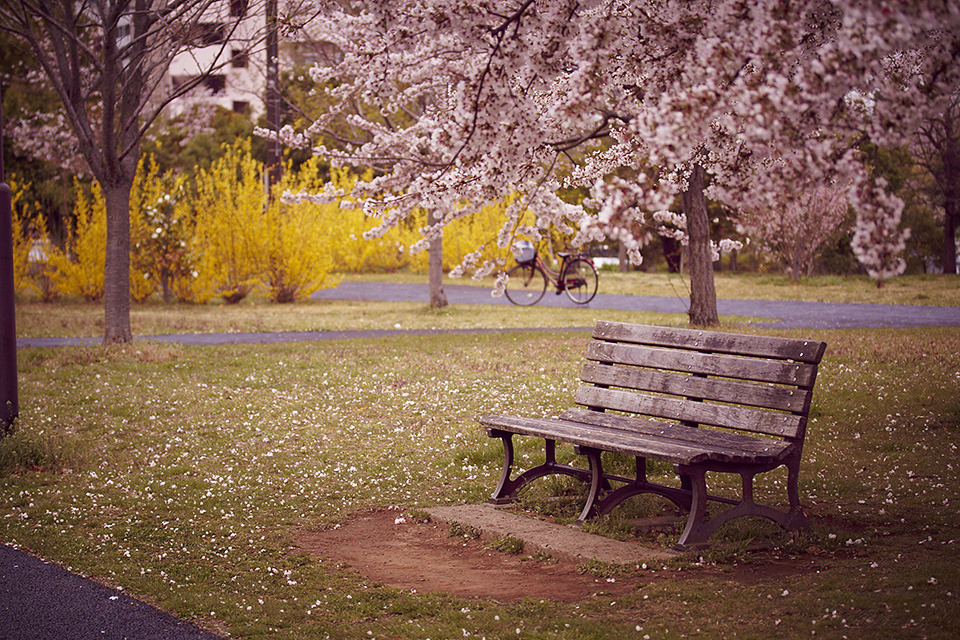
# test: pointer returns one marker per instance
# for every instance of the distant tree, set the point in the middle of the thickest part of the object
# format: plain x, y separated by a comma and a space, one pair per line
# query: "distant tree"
796, 231
107, 60
30, 116
938, 151
689, 98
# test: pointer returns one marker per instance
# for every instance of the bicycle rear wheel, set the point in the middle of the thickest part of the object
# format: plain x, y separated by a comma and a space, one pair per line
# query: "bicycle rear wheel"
525, 285
580, 281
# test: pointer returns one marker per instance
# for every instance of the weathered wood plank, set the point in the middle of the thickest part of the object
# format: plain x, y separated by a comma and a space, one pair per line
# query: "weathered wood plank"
757, 445
650, 440
692, 362
721, 390
729, 416
712, 341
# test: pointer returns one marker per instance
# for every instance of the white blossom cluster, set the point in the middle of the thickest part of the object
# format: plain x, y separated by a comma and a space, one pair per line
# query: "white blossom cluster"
463, 102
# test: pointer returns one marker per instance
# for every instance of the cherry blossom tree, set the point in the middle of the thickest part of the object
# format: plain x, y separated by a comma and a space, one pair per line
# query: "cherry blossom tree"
643, 102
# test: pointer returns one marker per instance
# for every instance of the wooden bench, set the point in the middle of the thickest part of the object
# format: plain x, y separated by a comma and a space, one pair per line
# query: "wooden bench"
645, 392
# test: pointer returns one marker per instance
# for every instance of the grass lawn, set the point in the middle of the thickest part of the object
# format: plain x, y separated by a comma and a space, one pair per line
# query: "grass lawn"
184, 474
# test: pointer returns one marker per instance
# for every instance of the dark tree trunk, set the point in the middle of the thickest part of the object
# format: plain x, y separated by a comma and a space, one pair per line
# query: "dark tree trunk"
950, 237
672, 250
438, 298
703, 294
116, 286
9, 399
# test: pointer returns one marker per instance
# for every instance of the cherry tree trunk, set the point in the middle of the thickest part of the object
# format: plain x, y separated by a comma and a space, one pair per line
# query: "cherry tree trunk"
116, 288
438, 298
703, 293
950, 237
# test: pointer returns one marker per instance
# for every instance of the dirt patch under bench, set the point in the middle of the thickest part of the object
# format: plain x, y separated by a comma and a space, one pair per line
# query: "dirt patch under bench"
388, 549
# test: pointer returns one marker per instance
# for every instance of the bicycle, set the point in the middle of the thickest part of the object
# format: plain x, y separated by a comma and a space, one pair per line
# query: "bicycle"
527, 281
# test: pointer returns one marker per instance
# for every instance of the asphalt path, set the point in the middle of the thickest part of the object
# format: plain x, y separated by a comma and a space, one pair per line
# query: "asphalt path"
41, 601
776, 314
780, 314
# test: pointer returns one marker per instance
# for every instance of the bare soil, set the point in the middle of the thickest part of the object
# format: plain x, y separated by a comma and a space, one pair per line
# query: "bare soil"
423, 557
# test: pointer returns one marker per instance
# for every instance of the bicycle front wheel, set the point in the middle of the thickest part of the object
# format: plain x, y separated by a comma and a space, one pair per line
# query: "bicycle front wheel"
580, 281
525, 285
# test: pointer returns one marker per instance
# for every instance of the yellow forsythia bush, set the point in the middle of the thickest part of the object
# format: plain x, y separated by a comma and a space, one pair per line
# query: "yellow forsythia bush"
22, 240
31, 245
352, 252
462, 236
160, 228
296, 246
147, 189
219, 235
78, 269
241, 241
230, 225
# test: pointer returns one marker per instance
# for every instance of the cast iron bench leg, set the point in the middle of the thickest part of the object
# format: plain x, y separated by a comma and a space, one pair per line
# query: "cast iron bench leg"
696, 531
639, 484
507, 489
699, 529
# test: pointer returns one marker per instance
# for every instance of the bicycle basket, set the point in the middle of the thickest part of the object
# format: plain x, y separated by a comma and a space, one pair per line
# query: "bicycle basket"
524, 251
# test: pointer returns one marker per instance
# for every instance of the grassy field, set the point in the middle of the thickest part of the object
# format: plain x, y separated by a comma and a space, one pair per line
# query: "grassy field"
184, 475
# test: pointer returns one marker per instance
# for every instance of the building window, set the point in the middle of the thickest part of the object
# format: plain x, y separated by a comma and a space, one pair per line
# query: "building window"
241, 107
213, 84
205, 34
179, 81
216, 84
238, 8
238, 58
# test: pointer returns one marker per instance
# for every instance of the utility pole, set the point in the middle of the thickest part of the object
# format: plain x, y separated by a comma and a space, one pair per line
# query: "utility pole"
9, 404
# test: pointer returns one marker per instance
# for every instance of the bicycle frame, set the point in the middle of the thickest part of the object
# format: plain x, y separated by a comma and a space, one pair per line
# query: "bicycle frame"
555, 278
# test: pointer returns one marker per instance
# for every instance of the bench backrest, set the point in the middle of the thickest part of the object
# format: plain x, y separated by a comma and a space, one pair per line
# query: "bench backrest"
757, 384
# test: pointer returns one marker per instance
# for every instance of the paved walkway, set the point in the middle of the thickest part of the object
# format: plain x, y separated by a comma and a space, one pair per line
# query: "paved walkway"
781, 314
777, 314
41, 601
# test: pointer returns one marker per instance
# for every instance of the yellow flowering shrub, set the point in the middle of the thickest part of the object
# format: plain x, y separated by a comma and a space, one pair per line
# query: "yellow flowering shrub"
22, 240
297, 242
463, 236
78, 269
354, 253
230, 223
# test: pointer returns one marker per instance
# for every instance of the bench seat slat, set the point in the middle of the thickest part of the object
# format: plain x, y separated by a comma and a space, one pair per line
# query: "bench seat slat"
758, 445
712, 341
771, 371
733, 417
755, 395
650, 440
